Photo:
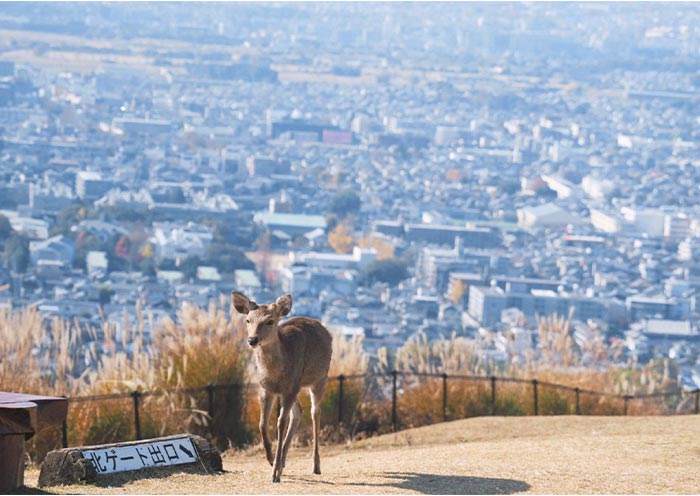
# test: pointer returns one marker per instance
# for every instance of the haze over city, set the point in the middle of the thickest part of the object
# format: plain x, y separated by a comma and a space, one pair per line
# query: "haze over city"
402, 169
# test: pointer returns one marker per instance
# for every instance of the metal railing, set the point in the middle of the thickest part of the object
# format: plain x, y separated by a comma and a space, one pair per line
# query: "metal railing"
489, 381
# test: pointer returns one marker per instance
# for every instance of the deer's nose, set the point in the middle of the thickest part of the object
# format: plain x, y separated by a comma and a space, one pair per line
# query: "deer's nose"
253, 341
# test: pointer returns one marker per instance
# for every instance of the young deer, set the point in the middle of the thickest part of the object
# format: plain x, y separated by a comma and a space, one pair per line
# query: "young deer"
289, 356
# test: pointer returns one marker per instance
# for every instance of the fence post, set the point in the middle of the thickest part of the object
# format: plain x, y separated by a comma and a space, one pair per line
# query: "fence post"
64, 433
578, 402
697, 401
341, 381
137, 422
210, 407
444, 397
627, 399
534, 395
394, 419
493, 395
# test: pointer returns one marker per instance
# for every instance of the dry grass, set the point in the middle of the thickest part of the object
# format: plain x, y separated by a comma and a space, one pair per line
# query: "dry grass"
490, 455
206, 346
53, 358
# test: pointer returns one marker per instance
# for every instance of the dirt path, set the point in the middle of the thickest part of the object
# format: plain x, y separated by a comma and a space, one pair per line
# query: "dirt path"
498, 455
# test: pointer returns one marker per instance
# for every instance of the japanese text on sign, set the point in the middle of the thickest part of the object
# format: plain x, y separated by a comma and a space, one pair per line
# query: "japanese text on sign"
137, 456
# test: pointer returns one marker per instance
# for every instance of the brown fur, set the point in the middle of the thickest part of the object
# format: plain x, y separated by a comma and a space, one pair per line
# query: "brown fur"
288, 356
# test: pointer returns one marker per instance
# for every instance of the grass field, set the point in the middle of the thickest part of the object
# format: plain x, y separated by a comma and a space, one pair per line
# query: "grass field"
487, 455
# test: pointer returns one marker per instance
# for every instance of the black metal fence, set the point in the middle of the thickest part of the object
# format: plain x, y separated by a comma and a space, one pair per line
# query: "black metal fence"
395, 392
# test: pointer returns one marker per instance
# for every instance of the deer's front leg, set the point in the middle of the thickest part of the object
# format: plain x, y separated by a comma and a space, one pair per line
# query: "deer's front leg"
266, 401
287, 405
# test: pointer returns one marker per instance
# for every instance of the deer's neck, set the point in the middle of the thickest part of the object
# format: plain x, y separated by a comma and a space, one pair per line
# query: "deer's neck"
270, 361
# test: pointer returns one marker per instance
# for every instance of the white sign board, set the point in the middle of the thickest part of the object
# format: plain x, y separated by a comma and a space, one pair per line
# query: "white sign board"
163, 453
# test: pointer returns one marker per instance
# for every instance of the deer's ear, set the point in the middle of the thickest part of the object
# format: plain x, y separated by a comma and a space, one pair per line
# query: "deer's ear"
284, 304
240, 302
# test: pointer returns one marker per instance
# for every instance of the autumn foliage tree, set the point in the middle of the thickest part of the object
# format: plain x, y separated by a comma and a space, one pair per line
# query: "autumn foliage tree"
457, 292
385, 250
341, 239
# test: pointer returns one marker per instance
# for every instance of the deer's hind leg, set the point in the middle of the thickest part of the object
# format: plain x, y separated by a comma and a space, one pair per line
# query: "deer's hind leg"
316, 392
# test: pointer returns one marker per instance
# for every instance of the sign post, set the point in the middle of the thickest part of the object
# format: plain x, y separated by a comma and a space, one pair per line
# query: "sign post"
87, 464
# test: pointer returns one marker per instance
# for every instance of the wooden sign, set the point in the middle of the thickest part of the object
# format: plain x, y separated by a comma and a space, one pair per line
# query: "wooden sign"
87, 464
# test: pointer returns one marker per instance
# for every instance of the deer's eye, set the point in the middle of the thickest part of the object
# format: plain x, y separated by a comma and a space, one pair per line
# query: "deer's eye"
270, 322
247, 321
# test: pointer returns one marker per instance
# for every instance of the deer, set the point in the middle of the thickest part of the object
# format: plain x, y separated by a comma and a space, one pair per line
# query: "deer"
289, 356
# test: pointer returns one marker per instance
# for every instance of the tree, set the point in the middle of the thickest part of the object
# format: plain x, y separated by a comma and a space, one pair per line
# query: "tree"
457, 292
105, 294
344, 203
5, 228
16, 254
189, 266
84, 243
69, 217
148, 267
341, 239
227, 258
385, 250
391, 271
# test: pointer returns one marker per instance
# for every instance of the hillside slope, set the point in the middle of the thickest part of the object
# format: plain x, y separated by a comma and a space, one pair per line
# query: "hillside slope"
501, 455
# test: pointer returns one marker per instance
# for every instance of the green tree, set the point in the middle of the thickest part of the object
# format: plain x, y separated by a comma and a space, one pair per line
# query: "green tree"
344, 203
148, 267
86, 242
16, 254
189, 266
227, 258
105, 294
5, 228
69, 217
391, 271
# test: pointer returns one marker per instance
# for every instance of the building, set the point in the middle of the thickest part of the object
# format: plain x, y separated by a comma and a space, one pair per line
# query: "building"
471, 237
266, 166
605, 221
290, 224
90, 185
563, 188
648, 221
96, 263
546, 215
657, 307
133, 125
357, 260
670, 330
247, 280
178, 241
487, 303
676, 226
58, 248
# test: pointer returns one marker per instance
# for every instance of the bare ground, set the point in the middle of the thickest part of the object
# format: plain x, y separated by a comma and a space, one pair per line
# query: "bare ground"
489, 455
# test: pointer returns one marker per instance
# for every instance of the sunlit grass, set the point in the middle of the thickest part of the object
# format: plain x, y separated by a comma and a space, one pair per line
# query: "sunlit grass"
207, 346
